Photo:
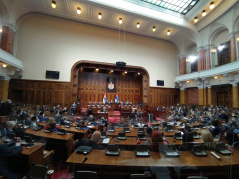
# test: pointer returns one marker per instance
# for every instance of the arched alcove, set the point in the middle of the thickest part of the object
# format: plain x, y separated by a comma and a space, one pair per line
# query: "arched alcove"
94, 90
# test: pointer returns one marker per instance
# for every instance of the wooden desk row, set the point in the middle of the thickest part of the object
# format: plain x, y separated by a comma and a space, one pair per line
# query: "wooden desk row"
68, 137
127, 162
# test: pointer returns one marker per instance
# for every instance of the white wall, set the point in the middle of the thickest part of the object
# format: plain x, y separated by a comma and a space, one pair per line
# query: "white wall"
221, 38
48, 43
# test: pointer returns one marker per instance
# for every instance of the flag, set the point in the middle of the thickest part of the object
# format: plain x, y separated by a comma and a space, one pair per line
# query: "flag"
117, 98
104, 98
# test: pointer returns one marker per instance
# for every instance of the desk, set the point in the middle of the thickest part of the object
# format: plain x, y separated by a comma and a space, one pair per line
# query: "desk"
34, 154
127, 162
53, 135
71, 129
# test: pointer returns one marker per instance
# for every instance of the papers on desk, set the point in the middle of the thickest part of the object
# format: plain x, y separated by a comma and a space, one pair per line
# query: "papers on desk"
106, 141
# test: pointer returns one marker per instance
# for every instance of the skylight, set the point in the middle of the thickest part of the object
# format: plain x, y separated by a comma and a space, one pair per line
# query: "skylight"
180, 6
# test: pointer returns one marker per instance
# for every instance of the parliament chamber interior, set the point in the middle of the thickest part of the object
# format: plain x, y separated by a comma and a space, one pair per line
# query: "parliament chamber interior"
121, 89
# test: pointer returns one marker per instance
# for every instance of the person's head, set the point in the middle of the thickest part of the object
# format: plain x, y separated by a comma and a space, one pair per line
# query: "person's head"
207, 136
34, 119
156, 140
10, 124
96, 136
122, 120
53, 124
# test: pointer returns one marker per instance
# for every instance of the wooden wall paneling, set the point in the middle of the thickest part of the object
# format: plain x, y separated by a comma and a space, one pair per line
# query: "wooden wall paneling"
40, 92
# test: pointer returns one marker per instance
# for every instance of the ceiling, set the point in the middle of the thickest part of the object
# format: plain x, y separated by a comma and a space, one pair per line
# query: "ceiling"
131, 11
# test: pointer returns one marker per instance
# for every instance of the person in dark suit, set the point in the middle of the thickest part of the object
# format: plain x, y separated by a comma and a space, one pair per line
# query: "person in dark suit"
6, 155
93, 142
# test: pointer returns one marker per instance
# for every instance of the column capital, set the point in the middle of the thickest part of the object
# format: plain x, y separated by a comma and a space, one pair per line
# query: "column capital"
234, 83
181, 56
11, 27
231, 35
199, 48
6, 78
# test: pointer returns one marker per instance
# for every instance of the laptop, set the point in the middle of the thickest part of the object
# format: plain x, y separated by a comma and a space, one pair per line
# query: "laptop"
141, 130
126, 129
142, 136
27, 141
198, 150
48, 130
111, 129
195, 135
121, 136
136, 126
11, 137
112, 150
222, 149
142, 151
170, 152
83, 149
169, 128
61, 132
178, 136
103, 135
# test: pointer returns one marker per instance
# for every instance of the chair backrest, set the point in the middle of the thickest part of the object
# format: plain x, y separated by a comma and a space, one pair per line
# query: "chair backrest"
85, 174
37, 171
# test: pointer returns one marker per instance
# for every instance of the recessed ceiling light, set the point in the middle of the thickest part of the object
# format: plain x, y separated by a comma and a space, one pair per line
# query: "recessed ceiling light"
120, 20
78, 10
111, 71
0, 30
204, 13
138, 73
211, 5
125, 72
99, 15
53, 4
187, 81
97, 69
4, 65
168, 33
138, 25
195, 19
215, 77
238, 39
154, 28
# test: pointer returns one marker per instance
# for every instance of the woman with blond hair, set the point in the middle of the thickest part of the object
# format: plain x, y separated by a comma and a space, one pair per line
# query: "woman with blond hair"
208, 139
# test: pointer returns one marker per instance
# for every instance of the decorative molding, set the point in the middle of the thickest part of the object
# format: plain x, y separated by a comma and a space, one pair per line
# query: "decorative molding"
10, 59
232, 35
224, 69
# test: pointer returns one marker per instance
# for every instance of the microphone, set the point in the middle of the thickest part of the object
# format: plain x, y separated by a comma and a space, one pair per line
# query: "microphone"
84, 160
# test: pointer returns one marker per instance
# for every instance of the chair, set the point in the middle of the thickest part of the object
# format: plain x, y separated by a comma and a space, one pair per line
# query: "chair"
85, 174
37, 171
140, 176
47, 157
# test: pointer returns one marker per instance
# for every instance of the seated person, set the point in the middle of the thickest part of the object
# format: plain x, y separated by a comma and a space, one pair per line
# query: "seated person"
215, 129
122, 122
93, 142
53, 126
104, 121
187, 142
6, 155
93, 122
104, 109
208, 139
140, 124
157, 140
34, 121
149, 131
